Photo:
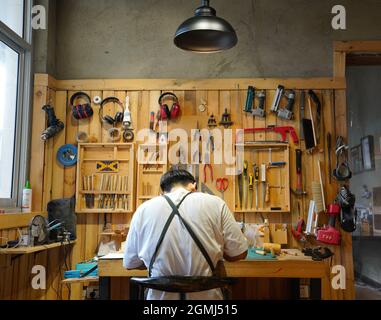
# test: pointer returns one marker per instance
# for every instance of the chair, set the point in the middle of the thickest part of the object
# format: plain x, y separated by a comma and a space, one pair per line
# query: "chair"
183, 285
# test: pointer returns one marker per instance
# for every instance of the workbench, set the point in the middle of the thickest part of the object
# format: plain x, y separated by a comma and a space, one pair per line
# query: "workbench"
282, 268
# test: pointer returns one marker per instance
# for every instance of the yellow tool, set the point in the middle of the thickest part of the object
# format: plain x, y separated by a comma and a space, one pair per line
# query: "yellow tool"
256, 179
251, 190
245, 184
108, 166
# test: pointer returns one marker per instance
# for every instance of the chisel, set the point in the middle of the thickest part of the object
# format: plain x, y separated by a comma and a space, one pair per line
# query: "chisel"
256, 179
264, 184
251, 191
245, 184
240, 190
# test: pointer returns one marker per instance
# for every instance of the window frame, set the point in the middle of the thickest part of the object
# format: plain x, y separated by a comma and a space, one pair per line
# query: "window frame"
21, 45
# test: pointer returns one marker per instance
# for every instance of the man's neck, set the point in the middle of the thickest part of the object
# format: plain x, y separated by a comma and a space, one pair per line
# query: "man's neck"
178, 188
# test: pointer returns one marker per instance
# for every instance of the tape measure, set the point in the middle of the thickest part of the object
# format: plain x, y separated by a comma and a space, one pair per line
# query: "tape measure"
67, 155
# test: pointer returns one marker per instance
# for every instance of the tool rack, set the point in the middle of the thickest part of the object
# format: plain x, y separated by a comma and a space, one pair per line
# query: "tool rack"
152, 164
277, 184
105, 191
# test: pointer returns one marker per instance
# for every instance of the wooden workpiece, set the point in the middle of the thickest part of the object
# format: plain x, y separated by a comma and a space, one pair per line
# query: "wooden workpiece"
51, 181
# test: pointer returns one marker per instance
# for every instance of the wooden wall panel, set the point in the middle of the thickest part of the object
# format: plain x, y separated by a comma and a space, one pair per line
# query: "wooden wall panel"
231, 95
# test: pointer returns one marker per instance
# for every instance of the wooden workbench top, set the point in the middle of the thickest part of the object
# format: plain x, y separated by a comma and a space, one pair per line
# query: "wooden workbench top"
281, 268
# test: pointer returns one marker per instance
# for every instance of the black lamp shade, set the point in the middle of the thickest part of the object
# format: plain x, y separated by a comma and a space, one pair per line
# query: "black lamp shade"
205, 32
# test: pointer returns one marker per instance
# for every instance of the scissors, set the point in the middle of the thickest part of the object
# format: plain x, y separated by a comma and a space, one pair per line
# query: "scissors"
222, 185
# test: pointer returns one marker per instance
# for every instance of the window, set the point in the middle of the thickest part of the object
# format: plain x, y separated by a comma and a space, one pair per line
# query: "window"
8, 99
15, 83
12, 14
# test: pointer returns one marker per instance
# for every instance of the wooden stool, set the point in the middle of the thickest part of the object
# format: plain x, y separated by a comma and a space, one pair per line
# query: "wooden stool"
183, 285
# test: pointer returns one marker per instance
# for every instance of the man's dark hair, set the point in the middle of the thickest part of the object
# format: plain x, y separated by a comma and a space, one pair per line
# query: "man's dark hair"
173, 177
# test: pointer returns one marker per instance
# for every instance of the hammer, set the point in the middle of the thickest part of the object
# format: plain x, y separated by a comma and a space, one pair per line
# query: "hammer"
299, 184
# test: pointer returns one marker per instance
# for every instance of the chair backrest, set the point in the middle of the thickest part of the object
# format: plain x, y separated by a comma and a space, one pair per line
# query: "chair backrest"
184, 285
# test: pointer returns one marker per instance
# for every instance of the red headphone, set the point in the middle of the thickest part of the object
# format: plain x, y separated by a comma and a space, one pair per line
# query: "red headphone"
165, 112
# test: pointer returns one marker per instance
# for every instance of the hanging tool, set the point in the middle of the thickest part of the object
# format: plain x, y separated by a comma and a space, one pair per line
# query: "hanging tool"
286, 112
312, 221
302, 113
283, 131
318, 106
329, 234
342, 171
329, 151
212, 123
309, 130
245, 183
222, 185
206, 167
298, 233
226, 121
54, 125
240, 189
152, 121
256, 180
67, 155
251, 191
299, 179
264, 184
250, 101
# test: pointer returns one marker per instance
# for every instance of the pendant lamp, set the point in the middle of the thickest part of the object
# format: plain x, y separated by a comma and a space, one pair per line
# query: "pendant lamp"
205, 32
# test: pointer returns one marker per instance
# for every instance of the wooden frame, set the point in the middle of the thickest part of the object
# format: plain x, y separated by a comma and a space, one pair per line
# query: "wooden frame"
344, 255
144, 93
260, 153
150, 171
89, 155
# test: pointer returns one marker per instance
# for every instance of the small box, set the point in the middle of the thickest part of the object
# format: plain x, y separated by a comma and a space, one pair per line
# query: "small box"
85, 267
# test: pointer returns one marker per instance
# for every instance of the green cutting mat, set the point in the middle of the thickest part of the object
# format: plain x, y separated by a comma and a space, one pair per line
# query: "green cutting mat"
254, 256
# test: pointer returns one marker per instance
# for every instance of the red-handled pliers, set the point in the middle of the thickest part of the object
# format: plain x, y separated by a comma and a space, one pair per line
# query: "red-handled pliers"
222, 185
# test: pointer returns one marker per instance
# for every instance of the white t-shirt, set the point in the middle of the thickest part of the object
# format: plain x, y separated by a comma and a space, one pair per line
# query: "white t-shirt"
211, 221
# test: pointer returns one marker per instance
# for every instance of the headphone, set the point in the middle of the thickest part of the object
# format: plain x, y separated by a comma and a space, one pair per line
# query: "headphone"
118, 116
166, 113
81, 111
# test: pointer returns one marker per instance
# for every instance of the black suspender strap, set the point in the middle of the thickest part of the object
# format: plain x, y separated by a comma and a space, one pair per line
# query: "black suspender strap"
189, 229
193, 235
164, 232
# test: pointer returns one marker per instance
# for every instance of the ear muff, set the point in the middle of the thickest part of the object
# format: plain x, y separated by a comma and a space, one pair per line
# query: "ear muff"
81, 111
119, 117
175, 111
108, 119
112, 121
165, 112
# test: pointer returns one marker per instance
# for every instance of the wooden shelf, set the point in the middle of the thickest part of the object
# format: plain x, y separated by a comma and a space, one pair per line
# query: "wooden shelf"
93, 160
29, 250
104, 211
121, 183
105, 192
285, 210
153, 171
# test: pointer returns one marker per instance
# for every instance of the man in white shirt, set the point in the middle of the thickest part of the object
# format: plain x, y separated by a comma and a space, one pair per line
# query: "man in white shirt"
178, 254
